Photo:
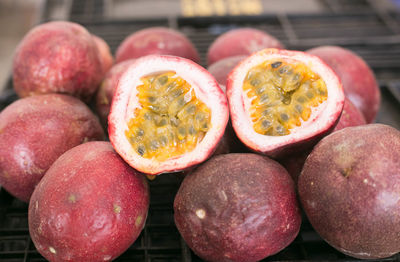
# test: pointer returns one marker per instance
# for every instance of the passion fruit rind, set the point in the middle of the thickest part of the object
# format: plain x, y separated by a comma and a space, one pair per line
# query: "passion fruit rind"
320, 121
132, 100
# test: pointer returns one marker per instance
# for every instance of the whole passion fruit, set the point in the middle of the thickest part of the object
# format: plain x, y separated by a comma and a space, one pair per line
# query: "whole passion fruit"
156, 40
221, 69
237, 207
282, 101
107, 88
357, 78
106, 57
90, 206
34, 132
168, 113
57, 57
349, 189
240, 41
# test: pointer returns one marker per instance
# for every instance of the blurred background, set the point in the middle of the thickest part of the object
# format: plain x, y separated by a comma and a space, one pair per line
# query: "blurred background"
18, 16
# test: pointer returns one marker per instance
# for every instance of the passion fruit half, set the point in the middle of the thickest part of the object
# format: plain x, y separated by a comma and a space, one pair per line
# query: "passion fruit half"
168, 114
282, 101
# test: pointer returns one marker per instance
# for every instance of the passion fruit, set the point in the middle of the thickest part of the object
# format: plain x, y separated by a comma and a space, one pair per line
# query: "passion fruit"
168, 113
34, 132
106, 91
240, 41
106, 57
283, 101
57, 57
237, 207
156, 40
90, 206
357, 78
221, 69
349, 188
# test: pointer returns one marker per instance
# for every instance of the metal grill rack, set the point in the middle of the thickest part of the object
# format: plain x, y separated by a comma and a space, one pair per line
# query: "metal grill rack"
359, 25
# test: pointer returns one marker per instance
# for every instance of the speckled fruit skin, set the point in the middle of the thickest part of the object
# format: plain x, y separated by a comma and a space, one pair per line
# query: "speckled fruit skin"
240, 41
57, 57
237, 207
156, 40
107, 88
351, 116
106, 57
359, 83
90, 206
221, 69
34, 132
349, 188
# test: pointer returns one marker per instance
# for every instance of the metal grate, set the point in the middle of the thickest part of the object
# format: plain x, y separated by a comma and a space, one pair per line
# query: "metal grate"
370, 34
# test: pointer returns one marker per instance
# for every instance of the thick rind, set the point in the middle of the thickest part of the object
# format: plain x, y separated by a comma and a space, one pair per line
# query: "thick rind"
322, 120
125, 101
349, 188
237, 207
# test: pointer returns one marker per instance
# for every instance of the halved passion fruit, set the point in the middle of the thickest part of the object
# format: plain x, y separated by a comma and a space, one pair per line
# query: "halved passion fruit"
168, 114
282, 101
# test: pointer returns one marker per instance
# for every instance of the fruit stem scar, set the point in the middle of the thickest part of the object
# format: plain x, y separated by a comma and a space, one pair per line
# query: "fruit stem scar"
52, 250
201, 213
346, 172
117, 209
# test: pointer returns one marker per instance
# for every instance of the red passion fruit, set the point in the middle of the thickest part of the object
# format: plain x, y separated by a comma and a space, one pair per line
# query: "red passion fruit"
357, 78
282, 101
57, 57
237, 207
34, 132
221, 69
106, 57
240, 41
168, 113
90, 206
156, 40
349, 189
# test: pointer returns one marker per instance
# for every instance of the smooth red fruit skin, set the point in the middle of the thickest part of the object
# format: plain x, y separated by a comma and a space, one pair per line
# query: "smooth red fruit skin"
106, 57
107, 88
34, 132
221, 69
241, 41
358, 80
237, 207
156, 40
57, 57
349, 189
90, 206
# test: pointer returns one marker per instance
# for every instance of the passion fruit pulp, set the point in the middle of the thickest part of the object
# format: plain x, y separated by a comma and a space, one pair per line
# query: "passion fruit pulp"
168, 114
282, 101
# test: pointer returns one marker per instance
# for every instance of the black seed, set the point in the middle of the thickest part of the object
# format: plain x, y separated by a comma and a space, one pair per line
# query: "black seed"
162, 122
200, 117
182, 131
192, 131
162, 80
154, 145
260, 90
175, 121
176, 93
255, 82
276, 64
280, 130
299, 108
264, 98
147, 115
205, 126
266, 123
266, 112
284, 69
296, 77
152, 99
286, 100
141, 150
191, 109
309, 95
301, 99
284, 117
163, 140
140, 132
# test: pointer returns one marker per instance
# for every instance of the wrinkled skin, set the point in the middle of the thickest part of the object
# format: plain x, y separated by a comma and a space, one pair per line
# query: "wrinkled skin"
34, 132
349, 189
237, 207
91, 206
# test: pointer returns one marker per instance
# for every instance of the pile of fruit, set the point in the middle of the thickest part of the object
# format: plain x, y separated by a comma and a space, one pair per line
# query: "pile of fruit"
260, 129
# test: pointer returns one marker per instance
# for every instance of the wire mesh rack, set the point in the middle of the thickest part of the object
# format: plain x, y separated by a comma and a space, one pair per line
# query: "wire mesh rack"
371, 33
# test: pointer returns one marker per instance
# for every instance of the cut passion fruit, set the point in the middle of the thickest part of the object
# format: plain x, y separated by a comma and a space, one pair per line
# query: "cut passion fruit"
168, 114
281, 100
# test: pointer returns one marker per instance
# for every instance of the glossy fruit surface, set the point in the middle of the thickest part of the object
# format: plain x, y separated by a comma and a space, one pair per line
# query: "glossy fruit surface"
283, 101
237, 207
34, 132
163, 120
358, 80
349, 190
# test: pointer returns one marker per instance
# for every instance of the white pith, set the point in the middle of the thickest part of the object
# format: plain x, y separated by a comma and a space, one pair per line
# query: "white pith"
206, 89
322, 117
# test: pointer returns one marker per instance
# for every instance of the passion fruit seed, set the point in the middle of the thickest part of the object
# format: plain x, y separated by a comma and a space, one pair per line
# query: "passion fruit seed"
282, 94
171, 120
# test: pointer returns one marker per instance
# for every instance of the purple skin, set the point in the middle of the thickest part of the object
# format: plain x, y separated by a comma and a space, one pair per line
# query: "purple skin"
90, 206
221, 69
349, 189
237, 207
57, 57
34, 132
